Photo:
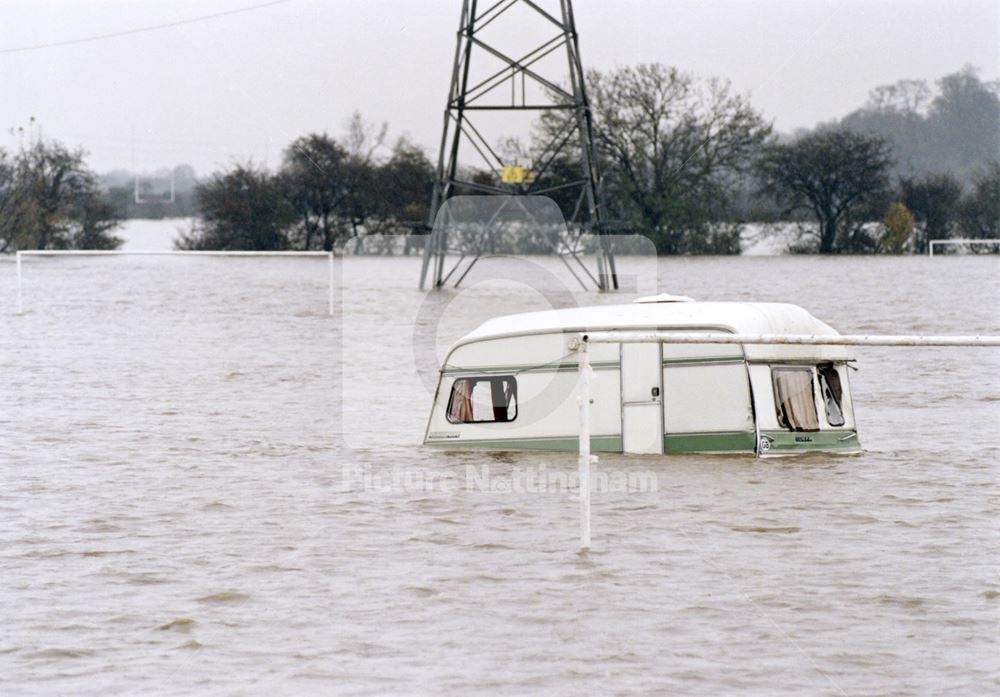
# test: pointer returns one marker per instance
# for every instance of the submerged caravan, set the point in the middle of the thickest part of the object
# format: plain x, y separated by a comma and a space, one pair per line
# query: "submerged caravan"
511, 383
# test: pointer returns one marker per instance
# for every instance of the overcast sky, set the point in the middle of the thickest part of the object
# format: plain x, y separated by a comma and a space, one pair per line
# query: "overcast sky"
243, 85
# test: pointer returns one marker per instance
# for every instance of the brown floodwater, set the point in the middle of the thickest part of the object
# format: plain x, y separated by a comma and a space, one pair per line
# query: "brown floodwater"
176, 436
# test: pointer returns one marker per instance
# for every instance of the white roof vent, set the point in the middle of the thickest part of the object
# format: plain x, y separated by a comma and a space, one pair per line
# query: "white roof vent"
664, 298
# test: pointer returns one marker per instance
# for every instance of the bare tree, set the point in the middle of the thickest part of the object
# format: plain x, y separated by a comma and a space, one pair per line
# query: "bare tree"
934, 201
10, 203
671, 146
326, 191
244, 208
404, 183
50, 200
980, 211
315, 179
838, 175
364, 138
897, 229
362, 141
903, 96
953, 129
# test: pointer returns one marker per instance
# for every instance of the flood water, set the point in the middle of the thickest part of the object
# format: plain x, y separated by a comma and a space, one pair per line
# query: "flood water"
176, 513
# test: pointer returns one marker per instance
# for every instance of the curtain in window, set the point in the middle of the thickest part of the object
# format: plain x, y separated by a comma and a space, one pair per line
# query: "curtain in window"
482, 402
796, 405
502, 390
461, 402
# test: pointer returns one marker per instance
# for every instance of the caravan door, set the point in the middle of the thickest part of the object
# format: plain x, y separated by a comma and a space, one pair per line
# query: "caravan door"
642, 398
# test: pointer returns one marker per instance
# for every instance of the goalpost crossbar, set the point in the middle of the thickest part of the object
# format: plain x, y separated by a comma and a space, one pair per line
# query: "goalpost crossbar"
930, 245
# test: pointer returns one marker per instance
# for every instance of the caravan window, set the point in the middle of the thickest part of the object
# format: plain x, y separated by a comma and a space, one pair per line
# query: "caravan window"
794, 399
483, 400
833, 393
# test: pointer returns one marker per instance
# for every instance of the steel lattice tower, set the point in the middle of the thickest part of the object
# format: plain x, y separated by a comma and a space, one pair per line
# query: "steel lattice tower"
506, 90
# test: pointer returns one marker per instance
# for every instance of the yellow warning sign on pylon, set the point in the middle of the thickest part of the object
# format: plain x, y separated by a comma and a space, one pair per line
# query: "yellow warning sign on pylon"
516, 174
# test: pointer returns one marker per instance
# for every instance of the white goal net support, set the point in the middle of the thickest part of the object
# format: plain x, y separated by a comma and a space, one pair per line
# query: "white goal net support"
212, 253
961, 244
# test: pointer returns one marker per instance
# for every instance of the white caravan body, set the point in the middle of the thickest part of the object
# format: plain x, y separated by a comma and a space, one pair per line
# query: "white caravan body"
512, 383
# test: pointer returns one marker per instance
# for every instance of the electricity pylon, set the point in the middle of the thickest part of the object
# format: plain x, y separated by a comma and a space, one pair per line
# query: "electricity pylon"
487, 79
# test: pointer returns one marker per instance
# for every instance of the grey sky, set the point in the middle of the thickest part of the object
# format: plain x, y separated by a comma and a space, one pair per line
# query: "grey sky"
217, 91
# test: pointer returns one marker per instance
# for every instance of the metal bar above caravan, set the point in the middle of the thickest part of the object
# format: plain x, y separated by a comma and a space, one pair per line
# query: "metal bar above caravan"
787, 339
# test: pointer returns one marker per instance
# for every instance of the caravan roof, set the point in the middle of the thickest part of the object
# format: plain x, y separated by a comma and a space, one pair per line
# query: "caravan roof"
737, 317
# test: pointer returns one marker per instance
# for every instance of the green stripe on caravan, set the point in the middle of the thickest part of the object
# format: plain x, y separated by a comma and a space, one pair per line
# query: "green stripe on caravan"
598, 444
573, 366
709, 442
519, 369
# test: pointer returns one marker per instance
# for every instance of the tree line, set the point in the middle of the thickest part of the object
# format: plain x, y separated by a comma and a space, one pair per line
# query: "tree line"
689, 163
924, 166
686, 162
326, 191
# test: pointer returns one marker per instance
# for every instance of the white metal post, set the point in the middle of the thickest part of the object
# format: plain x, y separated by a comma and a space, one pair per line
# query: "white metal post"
583, 357
20, 304
329, 273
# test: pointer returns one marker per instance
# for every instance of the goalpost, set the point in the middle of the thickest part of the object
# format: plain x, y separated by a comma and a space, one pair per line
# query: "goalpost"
930, 246
173, 191
581, 345
207, 253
